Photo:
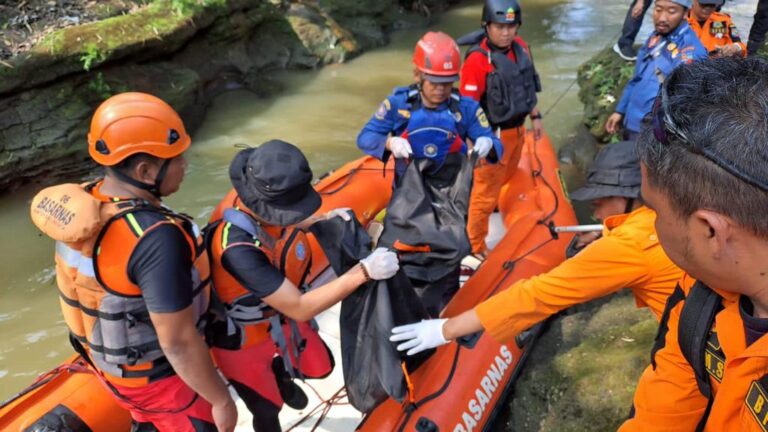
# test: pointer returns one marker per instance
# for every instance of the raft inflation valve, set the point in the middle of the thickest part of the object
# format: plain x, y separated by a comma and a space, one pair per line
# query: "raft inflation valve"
426, 425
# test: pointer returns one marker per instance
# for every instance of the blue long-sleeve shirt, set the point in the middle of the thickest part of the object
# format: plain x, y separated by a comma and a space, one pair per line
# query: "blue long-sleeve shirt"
395, 113
657, 58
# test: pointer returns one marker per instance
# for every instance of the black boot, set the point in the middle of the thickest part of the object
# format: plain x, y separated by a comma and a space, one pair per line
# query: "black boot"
292, 394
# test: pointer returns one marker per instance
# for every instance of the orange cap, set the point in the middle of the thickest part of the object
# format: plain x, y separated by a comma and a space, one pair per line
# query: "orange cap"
437, 55
131, 123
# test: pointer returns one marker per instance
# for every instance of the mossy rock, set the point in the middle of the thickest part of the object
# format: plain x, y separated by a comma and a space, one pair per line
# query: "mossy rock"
763, 51
46, 134
358, 7
583, 370
184, 51
320, 34
156, 29
601, 81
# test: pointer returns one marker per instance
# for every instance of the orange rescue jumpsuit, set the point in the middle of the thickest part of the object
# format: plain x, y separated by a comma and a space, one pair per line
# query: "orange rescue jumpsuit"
718, 30
668, 398
489, 178
627, 256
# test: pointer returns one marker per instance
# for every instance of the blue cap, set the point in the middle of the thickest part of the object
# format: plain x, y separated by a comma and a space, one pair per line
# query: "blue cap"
684, 3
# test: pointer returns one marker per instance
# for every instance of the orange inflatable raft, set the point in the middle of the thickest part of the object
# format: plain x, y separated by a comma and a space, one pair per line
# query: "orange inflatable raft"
458, 388
67, 398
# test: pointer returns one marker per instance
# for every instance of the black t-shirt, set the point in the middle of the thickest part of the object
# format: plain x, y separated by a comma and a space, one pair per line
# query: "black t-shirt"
249, 265
754, 328
161, 265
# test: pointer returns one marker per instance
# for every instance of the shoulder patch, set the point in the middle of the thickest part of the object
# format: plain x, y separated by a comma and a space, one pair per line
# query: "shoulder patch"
686, 54
301, 251
480, 114
383, 110
756, 403
714, 358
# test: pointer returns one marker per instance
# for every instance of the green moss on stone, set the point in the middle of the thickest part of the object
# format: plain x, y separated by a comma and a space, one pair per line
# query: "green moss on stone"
583, 371
602, 80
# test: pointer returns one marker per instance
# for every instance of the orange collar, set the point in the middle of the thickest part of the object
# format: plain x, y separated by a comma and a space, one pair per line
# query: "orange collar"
619, 219
96, 192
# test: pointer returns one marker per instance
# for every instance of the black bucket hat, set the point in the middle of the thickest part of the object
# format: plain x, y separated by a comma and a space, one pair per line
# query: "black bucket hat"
275, 182
615, 172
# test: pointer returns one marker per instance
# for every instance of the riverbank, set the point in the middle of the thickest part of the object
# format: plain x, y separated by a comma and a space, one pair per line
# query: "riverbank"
185, 51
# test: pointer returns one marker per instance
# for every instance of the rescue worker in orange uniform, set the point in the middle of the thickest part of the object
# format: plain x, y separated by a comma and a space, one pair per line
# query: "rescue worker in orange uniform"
704, 174
715, 30
260, 258
499, 73
628, 255
133, 275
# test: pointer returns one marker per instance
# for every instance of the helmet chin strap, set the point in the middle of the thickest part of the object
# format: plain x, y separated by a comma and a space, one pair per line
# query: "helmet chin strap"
154, 189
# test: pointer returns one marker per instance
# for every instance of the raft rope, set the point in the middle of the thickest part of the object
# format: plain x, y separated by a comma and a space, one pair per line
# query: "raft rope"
509, 267
408, 382
576, 80
324, 407
347, 179
45, 378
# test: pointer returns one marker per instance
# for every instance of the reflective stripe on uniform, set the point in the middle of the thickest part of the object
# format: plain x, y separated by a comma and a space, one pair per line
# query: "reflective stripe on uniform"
134, 224
75, 259
225, 236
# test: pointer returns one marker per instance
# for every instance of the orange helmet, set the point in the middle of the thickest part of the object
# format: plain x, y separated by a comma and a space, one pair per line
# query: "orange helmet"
438, 57
130, 123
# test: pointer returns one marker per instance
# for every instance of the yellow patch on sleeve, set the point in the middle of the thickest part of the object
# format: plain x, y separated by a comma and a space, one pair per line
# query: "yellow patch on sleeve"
383, 110
482, 118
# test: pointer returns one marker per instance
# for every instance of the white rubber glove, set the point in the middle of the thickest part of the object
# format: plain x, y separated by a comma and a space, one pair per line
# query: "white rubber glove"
381, 264
343, 213
420, 336
400, 147
483, 146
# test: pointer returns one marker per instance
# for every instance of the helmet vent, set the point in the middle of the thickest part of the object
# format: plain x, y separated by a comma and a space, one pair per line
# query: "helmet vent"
173, 136
101, 147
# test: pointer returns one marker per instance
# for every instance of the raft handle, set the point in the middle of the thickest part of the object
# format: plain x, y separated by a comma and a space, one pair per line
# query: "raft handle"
524, 338
469, 341
426, 425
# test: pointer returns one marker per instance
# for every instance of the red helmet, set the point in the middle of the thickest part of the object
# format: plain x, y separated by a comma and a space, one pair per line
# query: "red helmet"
438, 57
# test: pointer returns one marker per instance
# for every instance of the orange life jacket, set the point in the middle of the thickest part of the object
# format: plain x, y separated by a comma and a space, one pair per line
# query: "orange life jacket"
104, 310
286, 248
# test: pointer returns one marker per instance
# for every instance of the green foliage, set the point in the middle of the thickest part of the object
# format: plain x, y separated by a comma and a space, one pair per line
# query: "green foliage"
99, 86
601, 81
93, 55
53, 42
191, 7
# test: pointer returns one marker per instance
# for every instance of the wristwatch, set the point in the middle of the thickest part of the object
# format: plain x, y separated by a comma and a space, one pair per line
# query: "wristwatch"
536, 116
